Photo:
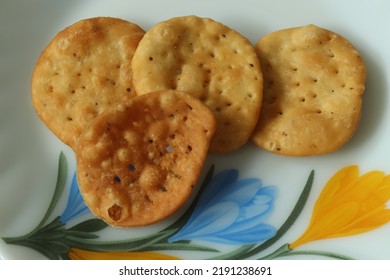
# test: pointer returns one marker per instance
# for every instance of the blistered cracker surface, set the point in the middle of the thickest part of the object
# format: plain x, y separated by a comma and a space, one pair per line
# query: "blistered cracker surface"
313, 85
84, 70
212, 62
138, 162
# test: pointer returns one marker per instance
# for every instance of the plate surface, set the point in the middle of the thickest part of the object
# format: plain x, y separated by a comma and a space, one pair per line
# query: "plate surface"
257, 204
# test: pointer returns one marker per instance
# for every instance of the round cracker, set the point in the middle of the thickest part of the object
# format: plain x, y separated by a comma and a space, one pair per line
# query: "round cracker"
84, 70
138, 162
313, 85
212, 62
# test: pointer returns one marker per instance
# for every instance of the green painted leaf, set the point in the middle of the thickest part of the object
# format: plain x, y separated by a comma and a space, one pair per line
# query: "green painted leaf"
90, 225
60, 185
38, 246
179, 246
134, 244
52, 226
57, 246
182, 241
51, 235
80, 234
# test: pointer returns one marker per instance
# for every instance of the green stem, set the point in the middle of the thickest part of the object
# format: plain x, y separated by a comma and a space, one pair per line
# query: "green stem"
135, 244
285, 251
179, 247
282, 251
60, 185
232, 255
317, 253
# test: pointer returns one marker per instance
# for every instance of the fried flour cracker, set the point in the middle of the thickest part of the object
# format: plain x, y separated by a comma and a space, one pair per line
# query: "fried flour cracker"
83, 71
313, 85
138, 162
212, 62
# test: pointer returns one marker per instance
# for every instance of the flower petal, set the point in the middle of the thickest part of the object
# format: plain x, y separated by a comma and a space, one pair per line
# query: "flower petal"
220, 181
260, 206
349, 205
361, 188
213, 220
75, 205
244, 225
241, 192
228, 208
335, 184
326, 225
256, 234
366, 223
377, 199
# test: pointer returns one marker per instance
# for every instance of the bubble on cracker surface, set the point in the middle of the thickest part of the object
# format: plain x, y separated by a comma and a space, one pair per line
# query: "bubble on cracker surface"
155, 146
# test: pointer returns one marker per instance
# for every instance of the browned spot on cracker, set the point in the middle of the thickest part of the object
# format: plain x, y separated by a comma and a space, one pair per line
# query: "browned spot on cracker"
115, 212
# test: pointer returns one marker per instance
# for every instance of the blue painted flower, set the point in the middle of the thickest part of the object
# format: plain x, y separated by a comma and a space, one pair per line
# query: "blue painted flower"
231, 211
75, 206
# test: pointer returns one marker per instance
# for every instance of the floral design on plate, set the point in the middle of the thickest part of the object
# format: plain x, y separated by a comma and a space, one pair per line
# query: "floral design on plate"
231, 211
75, 206
226, 210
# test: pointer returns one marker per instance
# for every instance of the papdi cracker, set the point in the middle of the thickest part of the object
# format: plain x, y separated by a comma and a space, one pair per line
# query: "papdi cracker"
313, 85
139, 161
84, 70
212, 62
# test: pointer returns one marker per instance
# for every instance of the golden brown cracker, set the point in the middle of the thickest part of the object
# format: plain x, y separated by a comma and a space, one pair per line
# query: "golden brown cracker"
84, 70
212, 62
313, 85
138, 162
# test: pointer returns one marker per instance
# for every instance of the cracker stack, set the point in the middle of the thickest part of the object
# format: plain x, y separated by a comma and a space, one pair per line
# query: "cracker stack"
142, 110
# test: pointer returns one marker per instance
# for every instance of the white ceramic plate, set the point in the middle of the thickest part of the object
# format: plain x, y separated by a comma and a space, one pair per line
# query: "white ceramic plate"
29, 152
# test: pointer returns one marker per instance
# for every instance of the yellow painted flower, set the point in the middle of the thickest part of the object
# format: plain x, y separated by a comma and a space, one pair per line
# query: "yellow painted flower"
349, 204
79, 254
